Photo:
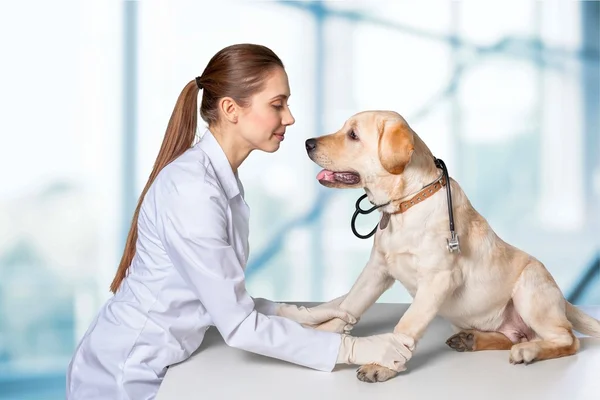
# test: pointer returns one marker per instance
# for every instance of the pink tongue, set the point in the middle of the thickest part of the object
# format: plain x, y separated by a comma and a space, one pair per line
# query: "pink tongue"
325, 175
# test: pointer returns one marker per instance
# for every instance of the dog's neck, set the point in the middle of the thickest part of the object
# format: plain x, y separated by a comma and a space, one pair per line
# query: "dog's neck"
420, 172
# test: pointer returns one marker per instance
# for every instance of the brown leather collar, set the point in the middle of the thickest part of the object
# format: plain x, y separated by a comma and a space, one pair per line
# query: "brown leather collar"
423, 195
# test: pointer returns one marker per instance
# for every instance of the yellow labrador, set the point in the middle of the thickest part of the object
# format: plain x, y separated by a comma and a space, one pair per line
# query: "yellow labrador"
496, 296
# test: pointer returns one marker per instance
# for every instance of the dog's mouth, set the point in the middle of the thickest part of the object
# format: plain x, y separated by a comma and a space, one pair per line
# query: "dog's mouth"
346, 177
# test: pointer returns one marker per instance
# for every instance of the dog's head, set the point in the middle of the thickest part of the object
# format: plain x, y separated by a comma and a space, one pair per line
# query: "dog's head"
371, 145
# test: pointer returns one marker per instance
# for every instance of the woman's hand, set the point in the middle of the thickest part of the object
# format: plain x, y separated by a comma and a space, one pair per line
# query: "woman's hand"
336, 325
390, 350
315, 316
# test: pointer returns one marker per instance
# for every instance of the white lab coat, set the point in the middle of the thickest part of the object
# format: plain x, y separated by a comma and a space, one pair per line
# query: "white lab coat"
187, 274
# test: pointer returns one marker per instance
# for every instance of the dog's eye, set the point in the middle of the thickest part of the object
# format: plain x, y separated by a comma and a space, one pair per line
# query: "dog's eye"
352, 135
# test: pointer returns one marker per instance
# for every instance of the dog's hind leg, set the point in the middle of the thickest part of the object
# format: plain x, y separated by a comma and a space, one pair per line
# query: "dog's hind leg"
473, 340
540, 303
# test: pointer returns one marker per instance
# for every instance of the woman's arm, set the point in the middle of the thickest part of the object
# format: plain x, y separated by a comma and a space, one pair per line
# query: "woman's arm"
192, 226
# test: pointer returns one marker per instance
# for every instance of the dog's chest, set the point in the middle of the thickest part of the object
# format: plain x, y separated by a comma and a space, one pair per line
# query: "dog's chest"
404, 268
401, 260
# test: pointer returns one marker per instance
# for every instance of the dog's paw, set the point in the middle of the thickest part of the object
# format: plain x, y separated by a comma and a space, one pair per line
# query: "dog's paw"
374, 373
462, 341
523, 353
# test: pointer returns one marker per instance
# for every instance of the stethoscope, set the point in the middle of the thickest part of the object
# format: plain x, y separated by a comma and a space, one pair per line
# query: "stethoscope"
452, 243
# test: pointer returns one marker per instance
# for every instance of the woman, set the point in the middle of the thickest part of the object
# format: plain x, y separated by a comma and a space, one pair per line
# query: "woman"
183, 265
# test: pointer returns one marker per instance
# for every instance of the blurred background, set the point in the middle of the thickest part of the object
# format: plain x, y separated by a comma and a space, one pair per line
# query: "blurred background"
506, 93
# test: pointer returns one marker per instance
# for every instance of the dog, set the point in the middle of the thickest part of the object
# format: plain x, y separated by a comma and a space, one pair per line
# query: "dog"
496, 296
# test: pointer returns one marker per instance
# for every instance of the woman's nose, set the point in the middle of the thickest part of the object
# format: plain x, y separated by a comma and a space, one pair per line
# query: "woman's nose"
289, 119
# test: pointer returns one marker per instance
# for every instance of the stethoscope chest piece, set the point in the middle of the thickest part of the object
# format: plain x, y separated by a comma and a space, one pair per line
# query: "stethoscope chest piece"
453, 243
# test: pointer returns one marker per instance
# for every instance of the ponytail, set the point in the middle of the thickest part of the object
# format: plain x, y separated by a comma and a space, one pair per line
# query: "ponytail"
179, 137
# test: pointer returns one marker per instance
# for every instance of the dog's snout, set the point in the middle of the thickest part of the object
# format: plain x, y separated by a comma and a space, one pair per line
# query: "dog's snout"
311, 144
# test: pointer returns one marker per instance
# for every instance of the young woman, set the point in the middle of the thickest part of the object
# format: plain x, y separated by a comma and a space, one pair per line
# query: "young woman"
183, 265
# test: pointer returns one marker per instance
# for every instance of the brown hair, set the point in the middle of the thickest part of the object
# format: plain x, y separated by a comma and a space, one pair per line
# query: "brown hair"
237, 71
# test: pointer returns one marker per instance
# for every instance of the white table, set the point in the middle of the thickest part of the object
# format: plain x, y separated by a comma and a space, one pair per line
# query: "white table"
217, 371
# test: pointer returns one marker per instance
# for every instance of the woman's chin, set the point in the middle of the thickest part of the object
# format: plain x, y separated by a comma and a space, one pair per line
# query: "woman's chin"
271, 146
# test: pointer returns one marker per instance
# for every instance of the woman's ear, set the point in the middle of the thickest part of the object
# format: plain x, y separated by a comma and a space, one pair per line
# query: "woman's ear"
229, 109
396, 146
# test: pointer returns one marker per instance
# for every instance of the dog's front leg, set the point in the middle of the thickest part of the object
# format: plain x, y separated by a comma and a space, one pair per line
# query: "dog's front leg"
370, 285
432, 291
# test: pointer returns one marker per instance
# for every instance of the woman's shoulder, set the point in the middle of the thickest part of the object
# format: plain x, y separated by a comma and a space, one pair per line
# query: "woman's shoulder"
190, 170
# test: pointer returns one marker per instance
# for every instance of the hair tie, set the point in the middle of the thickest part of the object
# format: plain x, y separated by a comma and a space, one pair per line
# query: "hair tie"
198, 83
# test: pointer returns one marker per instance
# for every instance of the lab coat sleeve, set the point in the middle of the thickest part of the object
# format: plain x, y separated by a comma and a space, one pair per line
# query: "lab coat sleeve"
192, 223
265, 306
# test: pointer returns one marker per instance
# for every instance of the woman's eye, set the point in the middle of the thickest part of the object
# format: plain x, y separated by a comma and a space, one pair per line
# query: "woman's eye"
352, 135
278, 106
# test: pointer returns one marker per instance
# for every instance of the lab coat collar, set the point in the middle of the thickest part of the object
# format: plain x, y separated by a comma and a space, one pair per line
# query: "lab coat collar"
220, 163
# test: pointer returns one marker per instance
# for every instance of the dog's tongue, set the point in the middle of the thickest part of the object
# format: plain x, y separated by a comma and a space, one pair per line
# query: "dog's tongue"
348, 178
326, 175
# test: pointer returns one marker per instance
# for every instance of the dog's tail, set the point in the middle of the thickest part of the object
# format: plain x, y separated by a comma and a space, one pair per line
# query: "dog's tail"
582, 322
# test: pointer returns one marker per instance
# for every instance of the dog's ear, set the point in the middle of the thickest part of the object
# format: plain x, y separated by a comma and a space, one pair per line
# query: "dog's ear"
396, 146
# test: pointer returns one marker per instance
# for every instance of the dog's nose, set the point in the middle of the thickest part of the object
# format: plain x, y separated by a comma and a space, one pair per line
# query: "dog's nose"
311, 144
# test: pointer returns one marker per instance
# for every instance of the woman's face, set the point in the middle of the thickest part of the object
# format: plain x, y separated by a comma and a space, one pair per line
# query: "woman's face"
262, 124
